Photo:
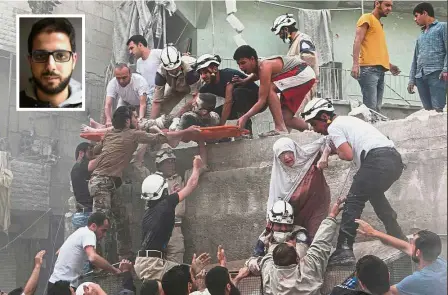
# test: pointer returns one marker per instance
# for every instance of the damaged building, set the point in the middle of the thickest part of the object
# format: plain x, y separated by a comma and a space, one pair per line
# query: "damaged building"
37, 148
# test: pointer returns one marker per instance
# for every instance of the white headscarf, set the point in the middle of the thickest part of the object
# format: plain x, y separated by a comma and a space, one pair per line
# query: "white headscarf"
284, 179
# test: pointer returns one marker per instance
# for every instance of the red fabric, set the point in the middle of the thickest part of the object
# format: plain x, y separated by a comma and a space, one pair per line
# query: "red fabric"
311, 200
292, 98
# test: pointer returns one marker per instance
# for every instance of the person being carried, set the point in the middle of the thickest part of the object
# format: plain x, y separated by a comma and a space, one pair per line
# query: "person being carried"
158, 223
114, 154
379, 166
238, 98
424, 249
289, 76
284, 272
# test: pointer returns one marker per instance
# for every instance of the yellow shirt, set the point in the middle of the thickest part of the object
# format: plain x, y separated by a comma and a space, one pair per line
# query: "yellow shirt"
373, 47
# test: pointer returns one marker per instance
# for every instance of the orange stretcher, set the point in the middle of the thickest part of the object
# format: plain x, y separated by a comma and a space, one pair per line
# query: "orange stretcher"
207, 134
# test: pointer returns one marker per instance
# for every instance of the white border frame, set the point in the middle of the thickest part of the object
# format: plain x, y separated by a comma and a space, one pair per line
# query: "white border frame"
83, 63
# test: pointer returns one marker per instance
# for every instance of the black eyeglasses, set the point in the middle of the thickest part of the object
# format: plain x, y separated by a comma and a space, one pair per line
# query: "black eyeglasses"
41, 56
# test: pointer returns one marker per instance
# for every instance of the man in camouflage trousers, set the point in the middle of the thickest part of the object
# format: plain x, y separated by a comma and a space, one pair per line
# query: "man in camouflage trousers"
114, 154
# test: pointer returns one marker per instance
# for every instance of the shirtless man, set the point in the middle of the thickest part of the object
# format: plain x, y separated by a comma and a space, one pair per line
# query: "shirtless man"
288, 75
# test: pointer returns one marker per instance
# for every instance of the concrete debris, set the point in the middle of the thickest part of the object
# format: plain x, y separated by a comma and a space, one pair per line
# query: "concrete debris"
422, 115
239, 40
362, 112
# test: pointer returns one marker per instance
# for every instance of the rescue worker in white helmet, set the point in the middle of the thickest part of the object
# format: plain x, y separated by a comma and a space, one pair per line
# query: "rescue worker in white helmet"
379, 166
159, 221
284, 271
237, 98
299, 44
279, 229
175, 71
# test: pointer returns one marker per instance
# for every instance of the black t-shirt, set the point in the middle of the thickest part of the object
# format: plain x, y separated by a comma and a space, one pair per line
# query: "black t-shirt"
80, 176
158, 223
225, 76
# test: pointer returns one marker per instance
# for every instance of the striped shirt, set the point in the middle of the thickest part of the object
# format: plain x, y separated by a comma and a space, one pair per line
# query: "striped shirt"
430, 54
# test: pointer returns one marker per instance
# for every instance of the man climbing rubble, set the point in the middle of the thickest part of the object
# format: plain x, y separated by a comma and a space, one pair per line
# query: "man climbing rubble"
288, 75
379, 166
238, 99
177, 73
114, 153
284, 272
79, 247
80, 176
300, 44
158, 222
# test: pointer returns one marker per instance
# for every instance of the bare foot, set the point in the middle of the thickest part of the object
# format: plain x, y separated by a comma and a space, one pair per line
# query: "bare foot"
95, 124
85, 128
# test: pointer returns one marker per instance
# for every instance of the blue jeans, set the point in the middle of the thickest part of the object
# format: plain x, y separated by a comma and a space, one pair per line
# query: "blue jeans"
79, 220
371, 80
432, 91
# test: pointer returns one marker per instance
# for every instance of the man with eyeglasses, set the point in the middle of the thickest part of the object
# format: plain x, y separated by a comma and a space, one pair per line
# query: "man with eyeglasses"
52, 58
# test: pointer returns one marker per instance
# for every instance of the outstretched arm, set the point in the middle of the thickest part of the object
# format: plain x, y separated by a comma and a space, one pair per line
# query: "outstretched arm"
192, 182
367, 230
31, 285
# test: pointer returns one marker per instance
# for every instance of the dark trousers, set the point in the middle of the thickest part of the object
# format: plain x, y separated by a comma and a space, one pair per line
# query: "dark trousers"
243, 100
50, 286
379, 170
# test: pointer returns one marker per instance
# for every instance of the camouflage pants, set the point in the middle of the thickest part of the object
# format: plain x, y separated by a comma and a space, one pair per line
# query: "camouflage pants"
191, 118
102, 189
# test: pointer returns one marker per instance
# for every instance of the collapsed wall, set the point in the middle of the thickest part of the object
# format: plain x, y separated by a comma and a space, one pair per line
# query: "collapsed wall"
229, 205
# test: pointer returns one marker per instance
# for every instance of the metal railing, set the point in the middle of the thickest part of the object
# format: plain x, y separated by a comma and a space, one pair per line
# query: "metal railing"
337, 84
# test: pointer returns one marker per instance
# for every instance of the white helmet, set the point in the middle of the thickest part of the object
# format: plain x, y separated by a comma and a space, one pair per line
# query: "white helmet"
282, 21
206, 60
281, 212
316, 105
171, 57
153, 187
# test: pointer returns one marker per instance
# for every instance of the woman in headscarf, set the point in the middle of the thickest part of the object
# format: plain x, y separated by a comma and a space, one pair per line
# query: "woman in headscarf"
297, 178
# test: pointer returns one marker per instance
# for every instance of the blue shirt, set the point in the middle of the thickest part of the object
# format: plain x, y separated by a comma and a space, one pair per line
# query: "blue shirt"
430, 280
430, 54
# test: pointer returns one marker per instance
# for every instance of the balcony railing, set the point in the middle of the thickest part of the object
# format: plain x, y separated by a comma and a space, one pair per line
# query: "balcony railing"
337, 84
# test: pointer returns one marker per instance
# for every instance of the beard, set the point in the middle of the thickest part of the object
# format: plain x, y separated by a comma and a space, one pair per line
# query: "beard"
52, 90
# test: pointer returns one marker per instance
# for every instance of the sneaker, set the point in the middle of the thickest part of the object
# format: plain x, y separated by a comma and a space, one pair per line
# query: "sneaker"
342, 257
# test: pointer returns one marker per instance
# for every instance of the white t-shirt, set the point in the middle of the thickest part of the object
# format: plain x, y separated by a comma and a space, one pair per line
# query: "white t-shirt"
204, 292
130, 93
72, 256
148, 67
361, 136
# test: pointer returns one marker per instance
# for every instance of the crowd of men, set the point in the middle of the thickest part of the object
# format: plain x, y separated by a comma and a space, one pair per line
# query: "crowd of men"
292, 254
